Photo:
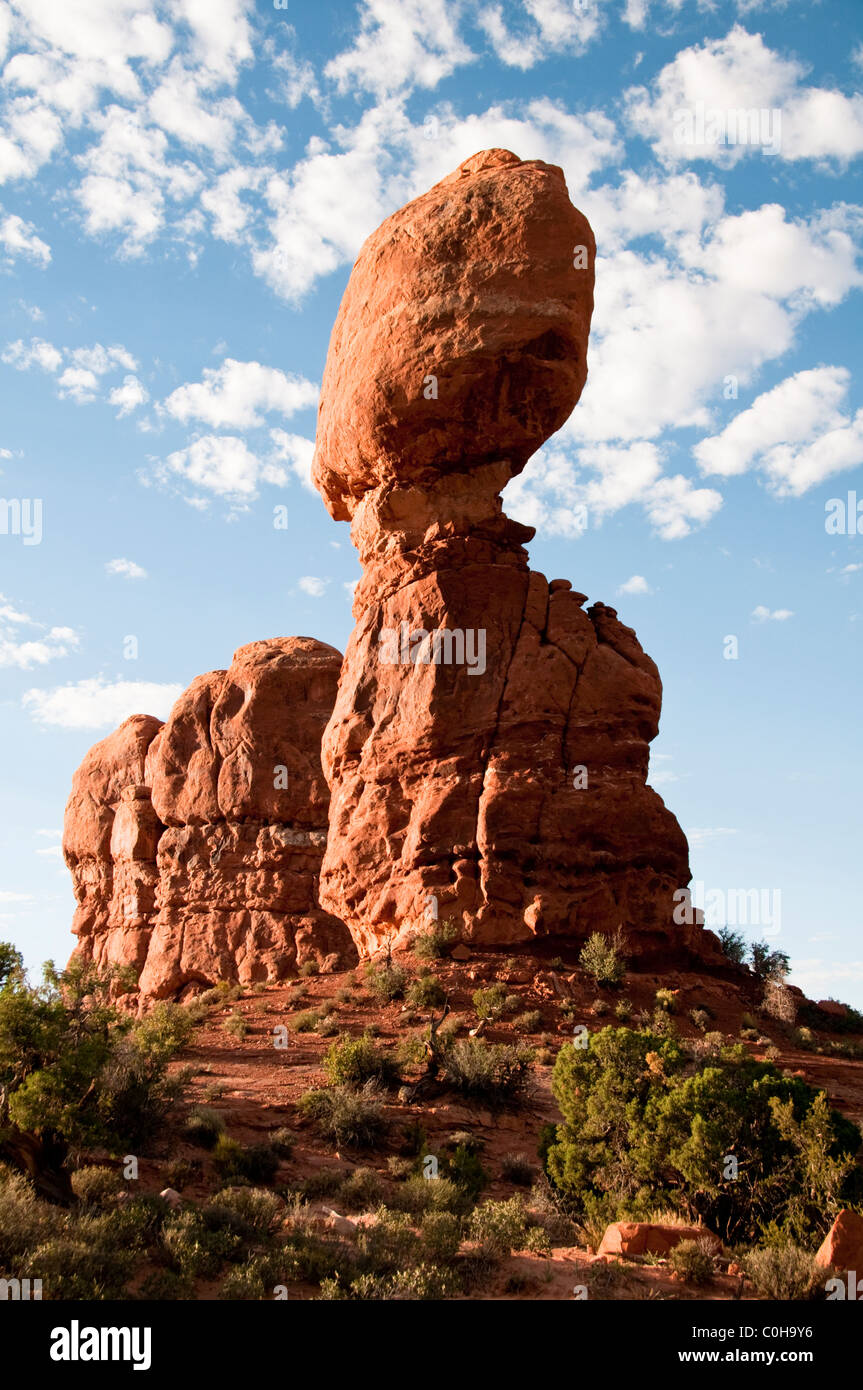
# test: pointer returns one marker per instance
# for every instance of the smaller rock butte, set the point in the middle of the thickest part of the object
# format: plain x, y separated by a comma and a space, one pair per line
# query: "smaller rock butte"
195, 845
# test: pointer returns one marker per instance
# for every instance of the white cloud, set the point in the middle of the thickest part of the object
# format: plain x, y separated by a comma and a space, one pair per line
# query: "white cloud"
19, 239
766, 615
401, 43
230, 215
127, 569
96, 703
555, 26
637, 584
349, 586
25, 653
796, 434
699, 838
237, 395
129, 396
222, 464
297, 452
9, 897
313, 586
78, 384
79, 381
564, 493
739, 73
38, 353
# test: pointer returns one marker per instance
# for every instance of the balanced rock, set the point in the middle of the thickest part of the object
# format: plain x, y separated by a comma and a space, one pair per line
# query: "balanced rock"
488, 750
196, 845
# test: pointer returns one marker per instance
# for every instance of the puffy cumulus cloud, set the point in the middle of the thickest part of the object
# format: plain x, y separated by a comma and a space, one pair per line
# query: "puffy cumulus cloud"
726, 97
762, 614
223, 200
721, 298
543, 27
237, 395
25, 649
312, 585
37, 353
97, 703
83, 368
19, 238
563, 493
636, 584
126, 569
129, 179
333, 198
796, 435
297, 452
222, 465
401, 43
129, 396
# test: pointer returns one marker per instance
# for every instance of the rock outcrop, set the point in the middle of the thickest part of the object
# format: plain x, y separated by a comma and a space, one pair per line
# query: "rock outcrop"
488, 751
195, 846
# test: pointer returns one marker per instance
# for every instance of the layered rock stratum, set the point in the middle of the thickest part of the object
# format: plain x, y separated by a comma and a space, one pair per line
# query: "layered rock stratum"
488, 751
195, 845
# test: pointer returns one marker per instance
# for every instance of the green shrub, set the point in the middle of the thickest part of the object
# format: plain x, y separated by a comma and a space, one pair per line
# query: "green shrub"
441, 1236
194, 1249
282, 1142
767, 964
386, 981
529, 1022
96, 1186
518, 1169
350, 1118
25, 1222
497, 1074
733, 944
427, 992
700, 1017
420, 1195
691, 1262
252, 1210
233, 1161
236, 1025
783, 1272
308, 968
491, 1002
601, 957
434, 944
361, 1190
307, 1021
204, 1126
71, 1268
623, 1010
642, 1116
166, 1285
665, 999
499, 1227
354, 1061
76, 1073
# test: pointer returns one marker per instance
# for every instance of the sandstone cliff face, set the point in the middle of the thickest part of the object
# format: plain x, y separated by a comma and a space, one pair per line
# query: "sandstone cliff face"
487, 754
195, 845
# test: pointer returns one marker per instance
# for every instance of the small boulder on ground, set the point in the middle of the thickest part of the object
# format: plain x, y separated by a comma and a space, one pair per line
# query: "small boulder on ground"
842, 1247
647, 1238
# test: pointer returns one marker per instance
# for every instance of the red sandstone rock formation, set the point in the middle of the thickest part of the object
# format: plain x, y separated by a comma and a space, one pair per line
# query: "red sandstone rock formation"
195, 845
487, 754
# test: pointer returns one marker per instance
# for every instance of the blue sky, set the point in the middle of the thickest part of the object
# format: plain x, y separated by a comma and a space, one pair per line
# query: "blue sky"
183, 188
